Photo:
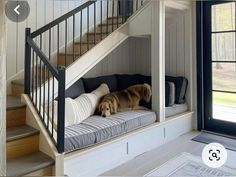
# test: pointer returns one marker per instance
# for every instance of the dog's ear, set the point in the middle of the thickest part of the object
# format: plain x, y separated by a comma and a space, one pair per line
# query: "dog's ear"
147, 92
111, 106
99, 108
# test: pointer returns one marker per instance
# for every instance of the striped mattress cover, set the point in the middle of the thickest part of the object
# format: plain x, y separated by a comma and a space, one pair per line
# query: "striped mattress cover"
97, 129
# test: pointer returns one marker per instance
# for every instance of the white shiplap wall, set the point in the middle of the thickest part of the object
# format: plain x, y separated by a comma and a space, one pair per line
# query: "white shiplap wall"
132, 56
2, 91
178, 49
41, 13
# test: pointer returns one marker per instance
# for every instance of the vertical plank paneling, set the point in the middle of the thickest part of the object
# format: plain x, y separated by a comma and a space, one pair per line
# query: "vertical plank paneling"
11, 49
130, 57
20, 44
42, 12
2, 90
178, 50
180, 47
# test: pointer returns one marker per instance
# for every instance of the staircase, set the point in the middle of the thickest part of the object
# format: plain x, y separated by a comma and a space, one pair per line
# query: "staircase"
22, 146
45, 76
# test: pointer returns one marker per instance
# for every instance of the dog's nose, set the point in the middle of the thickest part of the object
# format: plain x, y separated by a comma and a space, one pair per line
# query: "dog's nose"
103, 116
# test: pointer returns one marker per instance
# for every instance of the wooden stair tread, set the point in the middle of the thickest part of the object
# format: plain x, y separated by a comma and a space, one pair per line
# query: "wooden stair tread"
18, 82
85, 43
24, 165
105, 24
71, 54
19, 132
14, 102
98, 33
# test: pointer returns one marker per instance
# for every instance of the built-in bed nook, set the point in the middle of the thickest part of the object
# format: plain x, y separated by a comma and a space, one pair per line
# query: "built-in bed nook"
157, 51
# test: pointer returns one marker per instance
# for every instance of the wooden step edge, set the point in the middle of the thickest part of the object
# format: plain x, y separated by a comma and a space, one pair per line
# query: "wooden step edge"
19, 132
70, 54
18, 82
14, 102
28, 164
105, 24
103, 33
115, 17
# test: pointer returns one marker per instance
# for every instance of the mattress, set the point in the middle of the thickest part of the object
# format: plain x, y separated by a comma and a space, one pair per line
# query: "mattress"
176, 109
97, 129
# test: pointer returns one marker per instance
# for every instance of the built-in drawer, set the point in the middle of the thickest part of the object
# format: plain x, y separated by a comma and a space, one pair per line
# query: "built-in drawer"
145, 141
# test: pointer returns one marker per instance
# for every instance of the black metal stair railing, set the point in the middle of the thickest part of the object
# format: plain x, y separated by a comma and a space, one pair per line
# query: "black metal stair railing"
50, 49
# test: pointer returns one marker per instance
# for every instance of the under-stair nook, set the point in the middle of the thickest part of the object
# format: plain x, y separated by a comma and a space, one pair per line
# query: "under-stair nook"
115, 42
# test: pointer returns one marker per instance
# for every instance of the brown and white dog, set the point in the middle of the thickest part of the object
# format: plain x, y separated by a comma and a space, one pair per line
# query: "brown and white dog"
127, 99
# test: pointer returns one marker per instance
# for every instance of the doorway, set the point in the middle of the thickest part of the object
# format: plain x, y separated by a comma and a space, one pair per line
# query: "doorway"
218, 67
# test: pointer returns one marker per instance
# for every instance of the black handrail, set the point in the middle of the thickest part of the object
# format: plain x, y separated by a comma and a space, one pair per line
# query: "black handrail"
41, 75
62, 18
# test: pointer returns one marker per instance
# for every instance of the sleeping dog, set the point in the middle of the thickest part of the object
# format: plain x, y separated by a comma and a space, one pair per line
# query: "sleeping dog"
127, 99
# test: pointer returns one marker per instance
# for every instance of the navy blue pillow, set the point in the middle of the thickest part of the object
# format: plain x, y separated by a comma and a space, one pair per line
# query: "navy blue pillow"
75, 90
181, 84
91, 84
125, 80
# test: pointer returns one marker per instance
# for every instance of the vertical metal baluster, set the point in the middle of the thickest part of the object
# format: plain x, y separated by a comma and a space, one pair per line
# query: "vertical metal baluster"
81, 22
44, 89
141, 2
73, 37
87, 28
137, 5
101, 20
36, 83
49, 47
33, 77
48, 100
65, 41
122, 10
95, 23
125, 10
117, 17
58, 44
112, 16
53, 86
107, 16
40, 76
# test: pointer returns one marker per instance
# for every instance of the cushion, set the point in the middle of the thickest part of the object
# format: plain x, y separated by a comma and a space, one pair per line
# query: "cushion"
97, 129
181, 84
175, 109
125, 80
170, 96
167, 93
91, 84
75, 90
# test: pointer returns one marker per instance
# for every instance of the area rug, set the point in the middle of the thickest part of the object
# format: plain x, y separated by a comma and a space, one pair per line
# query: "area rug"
210, 138
189, 165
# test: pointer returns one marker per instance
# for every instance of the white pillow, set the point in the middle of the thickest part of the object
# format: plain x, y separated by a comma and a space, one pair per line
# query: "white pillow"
87, 103
80, 108
70, 110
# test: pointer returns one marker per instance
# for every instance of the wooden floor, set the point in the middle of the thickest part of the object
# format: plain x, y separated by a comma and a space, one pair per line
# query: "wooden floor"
148, 161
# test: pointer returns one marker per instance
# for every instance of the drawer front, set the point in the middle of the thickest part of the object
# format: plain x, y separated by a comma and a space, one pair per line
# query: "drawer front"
145, 141
178, 127
97, 161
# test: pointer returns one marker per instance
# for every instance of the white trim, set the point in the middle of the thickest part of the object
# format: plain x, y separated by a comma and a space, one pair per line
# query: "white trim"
158, 58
